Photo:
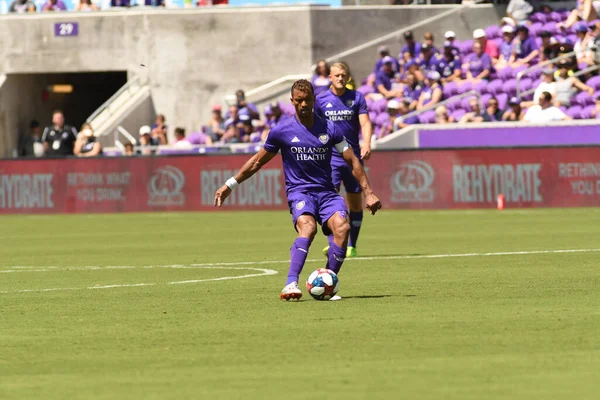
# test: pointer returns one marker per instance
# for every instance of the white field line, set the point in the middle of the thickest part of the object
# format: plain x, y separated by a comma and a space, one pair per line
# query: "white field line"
263, 272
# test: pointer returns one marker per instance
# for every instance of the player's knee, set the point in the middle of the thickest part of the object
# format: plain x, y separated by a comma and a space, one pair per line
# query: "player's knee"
307, 228
341, 228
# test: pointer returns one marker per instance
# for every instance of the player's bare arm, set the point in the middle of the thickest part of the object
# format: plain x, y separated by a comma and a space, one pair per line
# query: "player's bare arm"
372, 202
367, 132
252, 166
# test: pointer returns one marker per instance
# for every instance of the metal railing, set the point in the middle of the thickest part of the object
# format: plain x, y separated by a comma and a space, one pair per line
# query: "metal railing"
453, 99
123, 132
107, 103
549, 62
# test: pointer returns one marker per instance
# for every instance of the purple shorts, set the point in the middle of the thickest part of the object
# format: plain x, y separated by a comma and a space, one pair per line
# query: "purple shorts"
341, 172
321, 205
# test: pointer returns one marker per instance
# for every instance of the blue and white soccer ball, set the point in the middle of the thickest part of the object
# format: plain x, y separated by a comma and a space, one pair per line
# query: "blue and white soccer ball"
322, 284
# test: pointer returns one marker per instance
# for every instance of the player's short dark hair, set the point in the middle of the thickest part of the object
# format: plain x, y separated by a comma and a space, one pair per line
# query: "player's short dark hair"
34, 124
303, 86
57, 111
180, 131
546, 96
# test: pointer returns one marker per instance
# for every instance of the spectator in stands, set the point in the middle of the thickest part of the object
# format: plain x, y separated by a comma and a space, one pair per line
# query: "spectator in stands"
30, 144
320, 79
384, 52
244, 107
274, 116
583, 44
545, 111
86, 144
120, 3
246, 128
128, 149
232, 134
595, 114
86, 5
392, 113
478, 65
181, 141
59, 139
428, 39
442, 117
476, 114
412, 91
216, 126
514, 111
586, 11
384, 80
411, 67
22, 6
54, 5
567, 86
401, 121
526, 49
234, 117
411, 49
159, 129
450, 36
488, 46
427, 60
493, 110
519, 10
506, 50
547, 85
449, 64
432, 93
146, 140
547, 47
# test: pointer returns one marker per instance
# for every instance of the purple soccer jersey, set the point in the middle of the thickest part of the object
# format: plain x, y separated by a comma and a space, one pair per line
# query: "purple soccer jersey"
306, 153
414, 50
506, 49
344, 112
477, 64
427, 65
526, 47
447, 67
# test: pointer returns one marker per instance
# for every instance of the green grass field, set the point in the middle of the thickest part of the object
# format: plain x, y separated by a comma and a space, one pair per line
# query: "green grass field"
502, 326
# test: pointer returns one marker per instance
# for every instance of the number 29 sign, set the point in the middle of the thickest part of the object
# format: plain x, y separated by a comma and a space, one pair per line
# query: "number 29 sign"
66, 29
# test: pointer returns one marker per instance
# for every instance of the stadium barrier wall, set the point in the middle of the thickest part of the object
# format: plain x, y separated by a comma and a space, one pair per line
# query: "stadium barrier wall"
434, 179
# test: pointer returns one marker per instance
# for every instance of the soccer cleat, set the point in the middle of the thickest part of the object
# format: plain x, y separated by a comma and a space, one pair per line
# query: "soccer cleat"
351, 252
291, 291
335, 298
326, 251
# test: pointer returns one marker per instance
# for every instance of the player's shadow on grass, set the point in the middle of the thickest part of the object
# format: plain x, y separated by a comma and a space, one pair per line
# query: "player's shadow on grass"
375, 296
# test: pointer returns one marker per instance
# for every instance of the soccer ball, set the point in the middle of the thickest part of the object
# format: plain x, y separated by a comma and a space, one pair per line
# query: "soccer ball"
322, 284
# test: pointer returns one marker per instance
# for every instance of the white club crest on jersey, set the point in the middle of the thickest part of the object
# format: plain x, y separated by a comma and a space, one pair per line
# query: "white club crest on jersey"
295, 140
349, 103
324, 138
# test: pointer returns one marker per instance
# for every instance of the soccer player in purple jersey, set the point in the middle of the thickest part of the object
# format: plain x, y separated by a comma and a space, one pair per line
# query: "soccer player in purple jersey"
348, 111
306, 142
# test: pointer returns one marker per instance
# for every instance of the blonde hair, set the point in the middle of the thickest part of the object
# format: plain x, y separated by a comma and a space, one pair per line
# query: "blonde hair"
340, 65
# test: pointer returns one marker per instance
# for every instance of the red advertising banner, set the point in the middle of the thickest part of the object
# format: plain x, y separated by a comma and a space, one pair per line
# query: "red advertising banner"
473, 178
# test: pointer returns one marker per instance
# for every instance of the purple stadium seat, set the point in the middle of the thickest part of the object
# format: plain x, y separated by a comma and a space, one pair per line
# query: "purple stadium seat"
583, 99
366, 89
563, 109
502, 100
369, 101
582, 66
497, 41
464, 87
555, 16
564, 14
510, 87
493, 31
464, 103
450, 89
113, 153
381, 119
518, 69
458, 114
380, 106
453, 106
485, 98
538, 41
534, 74
494, 87
537, 17
572, 38
535, 28
526, 84
197, 138
428, 117
550, 27
466, 47
479, 86
372, 115
586, 113
505, 73
594, 82
575, 112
